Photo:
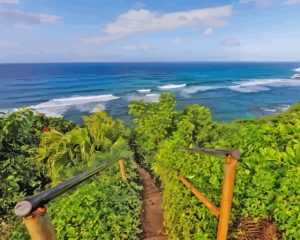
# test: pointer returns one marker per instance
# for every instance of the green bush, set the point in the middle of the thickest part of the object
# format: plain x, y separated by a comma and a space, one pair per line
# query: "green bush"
20, 176
264, 186
104, 208
64, 155
267, 185
19, 132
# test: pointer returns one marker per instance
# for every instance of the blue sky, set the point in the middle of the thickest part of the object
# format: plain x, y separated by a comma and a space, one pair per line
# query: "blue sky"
149, 30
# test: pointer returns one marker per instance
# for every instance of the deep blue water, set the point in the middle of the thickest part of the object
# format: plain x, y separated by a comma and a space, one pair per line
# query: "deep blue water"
230, 90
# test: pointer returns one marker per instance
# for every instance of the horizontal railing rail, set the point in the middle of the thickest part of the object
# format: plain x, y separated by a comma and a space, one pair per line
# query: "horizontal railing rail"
219, 153
30, 204
39, 225
222, 212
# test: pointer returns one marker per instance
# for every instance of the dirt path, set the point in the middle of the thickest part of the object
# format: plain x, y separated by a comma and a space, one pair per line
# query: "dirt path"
152, 218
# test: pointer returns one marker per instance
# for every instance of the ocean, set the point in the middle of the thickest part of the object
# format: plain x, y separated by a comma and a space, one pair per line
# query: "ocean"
231, 90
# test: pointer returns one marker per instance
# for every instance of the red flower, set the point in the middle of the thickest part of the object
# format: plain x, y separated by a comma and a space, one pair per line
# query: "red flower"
46, 129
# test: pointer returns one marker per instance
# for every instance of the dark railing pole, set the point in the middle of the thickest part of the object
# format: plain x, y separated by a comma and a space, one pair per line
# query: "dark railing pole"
220, 153
30, 204
32, 208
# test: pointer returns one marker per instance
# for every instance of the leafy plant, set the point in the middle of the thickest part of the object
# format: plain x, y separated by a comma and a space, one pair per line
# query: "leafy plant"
264, 187
104, 208
69, 153
20, 176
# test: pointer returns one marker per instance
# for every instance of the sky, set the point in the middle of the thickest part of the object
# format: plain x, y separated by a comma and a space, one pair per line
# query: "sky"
149, 30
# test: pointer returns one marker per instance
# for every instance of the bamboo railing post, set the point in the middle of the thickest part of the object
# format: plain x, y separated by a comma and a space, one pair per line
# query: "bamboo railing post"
123, 171
227, 192
39, 225
212, 208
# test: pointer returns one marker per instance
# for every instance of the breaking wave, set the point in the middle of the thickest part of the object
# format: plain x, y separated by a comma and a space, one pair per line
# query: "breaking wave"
296, 76
57, 107
263, 85
172, 86
144, 90
76, 100
151, 97
297, 69
274, 109
195, 89
268, 109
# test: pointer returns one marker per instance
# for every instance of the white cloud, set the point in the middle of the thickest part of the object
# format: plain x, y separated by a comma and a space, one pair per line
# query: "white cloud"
230, 42
260, 2
177, 41
10, 1
142, 21
7, 44
32, 18
47, 18
136, 47
208, 31
288, 2
23, 26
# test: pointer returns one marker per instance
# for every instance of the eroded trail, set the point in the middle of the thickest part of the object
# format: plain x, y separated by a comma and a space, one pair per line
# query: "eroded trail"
152, 214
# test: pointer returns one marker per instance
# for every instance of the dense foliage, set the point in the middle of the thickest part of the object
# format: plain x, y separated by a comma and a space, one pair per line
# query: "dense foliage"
267, 185
104, 208
37, 151
79, 148
20, 132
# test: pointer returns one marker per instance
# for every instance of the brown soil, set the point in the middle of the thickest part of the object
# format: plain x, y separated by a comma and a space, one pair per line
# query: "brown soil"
152, 217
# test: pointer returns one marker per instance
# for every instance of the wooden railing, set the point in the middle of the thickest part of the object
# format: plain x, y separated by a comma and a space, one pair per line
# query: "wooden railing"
33, 211
223, 213
38, 224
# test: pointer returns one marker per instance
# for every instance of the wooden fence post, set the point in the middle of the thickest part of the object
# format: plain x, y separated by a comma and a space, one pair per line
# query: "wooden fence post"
39, 225
227, 192
123, 171
212, 208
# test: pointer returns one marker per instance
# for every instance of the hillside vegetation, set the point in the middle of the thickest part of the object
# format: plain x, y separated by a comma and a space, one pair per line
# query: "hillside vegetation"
267, 182
37, 152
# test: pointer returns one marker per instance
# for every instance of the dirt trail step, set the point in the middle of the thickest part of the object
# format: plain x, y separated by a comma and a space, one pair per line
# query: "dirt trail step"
152, 214
157, 238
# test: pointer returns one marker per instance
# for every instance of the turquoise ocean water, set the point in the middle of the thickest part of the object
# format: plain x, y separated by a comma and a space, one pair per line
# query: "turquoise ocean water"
230, 90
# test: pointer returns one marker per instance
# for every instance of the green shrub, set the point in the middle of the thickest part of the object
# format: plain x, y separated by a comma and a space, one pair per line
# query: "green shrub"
105, 207
264, 186
64, 155
20, 176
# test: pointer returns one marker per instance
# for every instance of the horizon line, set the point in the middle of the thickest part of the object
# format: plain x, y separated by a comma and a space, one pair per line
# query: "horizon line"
87, 62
